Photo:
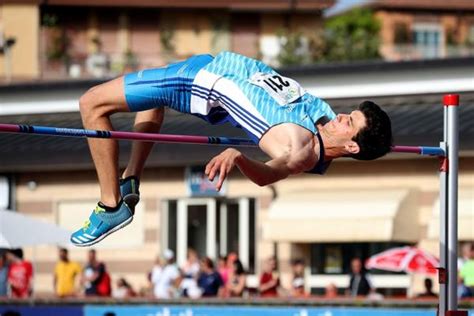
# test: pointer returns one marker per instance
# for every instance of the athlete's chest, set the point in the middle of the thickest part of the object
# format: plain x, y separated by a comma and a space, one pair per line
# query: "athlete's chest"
279, 139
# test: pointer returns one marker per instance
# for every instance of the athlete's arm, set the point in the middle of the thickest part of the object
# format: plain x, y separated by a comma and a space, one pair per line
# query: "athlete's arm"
261, 173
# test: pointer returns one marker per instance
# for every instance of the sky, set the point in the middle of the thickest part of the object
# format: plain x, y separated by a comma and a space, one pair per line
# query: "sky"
341, 5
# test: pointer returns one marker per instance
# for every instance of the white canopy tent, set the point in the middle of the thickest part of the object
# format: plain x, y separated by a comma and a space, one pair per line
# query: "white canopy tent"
18, 230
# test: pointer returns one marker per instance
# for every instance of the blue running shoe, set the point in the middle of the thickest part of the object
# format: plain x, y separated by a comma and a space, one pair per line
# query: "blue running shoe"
101, 224
129, 191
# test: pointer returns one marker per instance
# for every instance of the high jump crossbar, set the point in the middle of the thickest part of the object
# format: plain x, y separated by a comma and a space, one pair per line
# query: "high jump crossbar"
447, 153
167, 138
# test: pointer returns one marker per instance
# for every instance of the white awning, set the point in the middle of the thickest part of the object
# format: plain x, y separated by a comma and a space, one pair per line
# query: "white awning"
465, 216
343, 216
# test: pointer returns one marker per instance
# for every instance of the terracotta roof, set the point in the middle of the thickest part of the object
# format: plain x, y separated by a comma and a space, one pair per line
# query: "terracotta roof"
300, 5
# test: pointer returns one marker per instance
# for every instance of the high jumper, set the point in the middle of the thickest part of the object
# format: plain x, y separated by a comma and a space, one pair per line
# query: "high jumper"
299, 131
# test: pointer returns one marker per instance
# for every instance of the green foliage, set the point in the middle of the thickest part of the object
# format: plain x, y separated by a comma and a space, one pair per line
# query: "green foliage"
167, 36
352, 36
293, 48
58, 49
451, 36
130, 59
49, 20
220, 36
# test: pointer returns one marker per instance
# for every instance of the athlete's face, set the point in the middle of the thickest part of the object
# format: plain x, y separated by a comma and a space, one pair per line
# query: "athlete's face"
340, 131
346, 126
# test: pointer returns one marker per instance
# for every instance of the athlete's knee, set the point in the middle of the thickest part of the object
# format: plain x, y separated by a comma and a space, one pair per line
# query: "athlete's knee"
91, 104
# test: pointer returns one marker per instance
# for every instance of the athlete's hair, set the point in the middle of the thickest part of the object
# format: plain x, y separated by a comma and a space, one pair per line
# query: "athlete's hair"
375, 139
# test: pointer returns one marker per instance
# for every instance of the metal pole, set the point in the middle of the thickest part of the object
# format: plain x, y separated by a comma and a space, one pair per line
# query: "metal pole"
443, 300
443, 219
451, 101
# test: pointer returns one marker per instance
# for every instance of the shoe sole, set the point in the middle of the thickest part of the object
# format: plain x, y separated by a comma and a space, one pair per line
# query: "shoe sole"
113, 230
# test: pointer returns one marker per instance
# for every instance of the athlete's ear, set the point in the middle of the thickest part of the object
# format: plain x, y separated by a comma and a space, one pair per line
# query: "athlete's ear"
352, 147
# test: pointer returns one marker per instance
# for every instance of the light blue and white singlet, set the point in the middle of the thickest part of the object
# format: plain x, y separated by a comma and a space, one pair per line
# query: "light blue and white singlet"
228, 88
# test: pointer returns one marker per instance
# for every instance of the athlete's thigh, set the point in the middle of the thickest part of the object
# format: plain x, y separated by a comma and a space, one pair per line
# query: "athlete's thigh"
168, 86
110, 94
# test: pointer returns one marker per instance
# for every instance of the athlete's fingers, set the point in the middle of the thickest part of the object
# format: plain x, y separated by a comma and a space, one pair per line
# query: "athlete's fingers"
222, 176
209, 166
229, 168
214, 168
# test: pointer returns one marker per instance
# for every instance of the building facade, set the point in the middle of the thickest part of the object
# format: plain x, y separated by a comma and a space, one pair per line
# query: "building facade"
421, 29
106, 38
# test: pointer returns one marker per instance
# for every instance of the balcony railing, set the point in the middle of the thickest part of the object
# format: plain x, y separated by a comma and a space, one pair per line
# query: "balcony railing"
417, 52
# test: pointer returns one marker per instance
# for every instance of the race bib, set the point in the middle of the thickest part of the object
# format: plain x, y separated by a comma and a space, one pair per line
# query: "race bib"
284, 90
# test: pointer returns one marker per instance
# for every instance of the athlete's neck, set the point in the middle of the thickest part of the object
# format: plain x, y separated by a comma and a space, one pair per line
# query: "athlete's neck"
331, 150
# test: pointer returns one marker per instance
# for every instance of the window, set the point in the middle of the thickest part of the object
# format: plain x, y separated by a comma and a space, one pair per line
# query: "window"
427, 38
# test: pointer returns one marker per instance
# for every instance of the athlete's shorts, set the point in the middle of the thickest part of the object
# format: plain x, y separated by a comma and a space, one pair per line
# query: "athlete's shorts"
167, 86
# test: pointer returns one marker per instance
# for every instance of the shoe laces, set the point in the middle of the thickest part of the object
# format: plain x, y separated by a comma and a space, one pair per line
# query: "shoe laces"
97, 211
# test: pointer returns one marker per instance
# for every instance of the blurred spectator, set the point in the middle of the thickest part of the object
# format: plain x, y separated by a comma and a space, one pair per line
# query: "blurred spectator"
65, 274
360, 284
191, 266
222, 269
270, 279
190, 272
236, 285
3, 275
298, 282
95, 277
465, 253
230, 259
123, 290
165, 278
20, 274
428, 290
467, 274
210, 281
147, 289
330, 291
226, 266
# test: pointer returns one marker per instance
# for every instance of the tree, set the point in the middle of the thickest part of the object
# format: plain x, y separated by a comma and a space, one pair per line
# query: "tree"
352, 36
348, 37
294, 48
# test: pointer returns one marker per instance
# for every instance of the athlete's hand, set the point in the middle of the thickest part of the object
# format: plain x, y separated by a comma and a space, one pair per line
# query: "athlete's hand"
222, 164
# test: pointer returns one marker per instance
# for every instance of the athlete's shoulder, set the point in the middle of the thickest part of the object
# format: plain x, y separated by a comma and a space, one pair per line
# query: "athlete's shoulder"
318, 106
229, 55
